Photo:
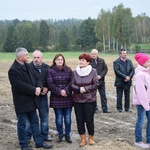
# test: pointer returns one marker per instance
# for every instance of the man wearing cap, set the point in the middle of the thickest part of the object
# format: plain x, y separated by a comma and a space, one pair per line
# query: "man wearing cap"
124, 71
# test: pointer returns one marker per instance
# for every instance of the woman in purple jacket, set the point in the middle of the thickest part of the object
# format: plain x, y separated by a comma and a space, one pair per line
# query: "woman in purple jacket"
59, 81
84, 85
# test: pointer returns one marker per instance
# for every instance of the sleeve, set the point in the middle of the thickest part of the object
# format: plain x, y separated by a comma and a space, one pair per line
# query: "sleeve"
105, 69
19, 85
141, 91
68, 87
94, 84
51, 85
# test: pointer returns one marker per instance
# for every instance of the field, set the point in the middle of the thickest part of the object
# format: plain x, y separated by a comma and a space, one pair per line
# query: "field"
114, 131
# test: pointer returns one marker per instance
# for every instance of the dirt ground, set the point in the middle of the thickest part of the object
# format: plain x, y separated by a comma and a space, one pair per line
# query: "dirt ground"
114, 131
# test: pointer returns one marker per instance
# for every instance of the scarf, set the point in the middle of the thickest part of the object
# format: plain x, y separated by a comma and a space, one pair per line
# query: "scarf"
83, 71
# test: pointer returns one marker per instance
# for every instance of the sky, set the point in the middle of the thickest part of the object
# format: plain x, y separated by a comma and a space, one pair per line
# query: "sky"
65, 9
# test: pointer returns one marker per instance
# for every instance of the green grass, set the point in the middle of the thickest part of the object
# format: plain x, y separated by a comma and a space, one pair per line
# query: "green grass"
50, 55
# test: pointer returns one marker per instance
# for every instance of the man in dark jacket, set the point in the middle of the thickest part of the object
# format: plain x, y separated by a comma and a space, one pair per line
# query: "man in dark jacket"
26, 99
124, 72
41, 71
101, 67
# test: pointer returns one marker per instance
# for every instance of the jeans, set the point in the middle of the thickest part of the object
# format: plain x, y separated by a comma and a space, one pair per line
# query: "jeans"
59, 114
21, 128
43, 114
141, 113
103, 98
120, 91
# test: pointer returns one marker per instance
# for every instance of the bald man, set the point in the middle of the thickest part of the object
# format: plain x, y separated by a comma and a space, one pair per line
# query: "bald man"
101, 67
41, 70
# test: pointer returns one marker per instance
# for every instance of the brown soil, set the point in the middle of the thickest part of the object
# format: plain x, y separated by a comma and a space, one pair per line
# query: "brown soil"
114, 131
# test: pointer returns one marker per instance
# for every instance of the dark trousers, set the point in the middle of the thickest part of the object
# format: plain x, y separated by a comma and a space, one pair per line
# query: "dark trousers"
103, 98
85, 114
120, 91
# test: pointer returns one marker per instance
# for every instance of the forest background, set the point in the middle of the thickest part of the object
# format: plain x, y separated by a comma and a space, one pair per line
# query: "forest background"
111, 31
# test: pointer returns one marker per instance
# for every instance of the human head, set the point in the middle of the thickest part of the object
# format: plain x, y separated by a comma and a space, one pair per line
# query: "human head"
123, 53
59, 60
85, 60
21, 55
94, 54
37, 57
141, 58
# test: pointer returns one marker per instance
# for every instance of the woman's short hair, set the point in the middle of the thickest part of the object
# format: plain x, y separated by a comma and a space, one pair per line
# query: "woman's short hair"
85, 56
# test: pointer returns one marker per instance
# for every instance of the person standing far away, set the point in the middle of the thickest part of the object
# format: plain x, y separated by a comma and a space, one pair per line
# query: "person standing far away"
41, 71
102, 69
26, 99
141, 98
124, 71
84, 85
59, 83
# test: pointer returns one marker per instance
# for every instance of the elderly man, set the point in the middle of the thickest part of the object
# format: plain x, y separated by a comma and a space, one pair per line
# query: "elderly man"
41, 70
101, 67
26, 99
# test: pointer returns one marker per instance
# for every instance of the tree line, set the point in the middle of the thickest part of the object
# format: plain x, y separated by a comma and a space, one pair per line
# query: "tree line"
111, 31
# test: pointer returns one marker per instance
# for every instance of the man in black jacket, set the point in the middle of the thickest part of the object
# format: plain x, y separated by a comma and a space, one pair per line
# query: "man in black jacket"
41, 71
101, 67
26, 99
124, 72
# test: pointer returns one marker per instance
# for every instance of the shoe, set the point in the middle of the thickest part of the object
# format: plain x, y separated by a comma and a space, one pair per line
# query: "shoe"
106, 111
48, 139
141, 145
68, 139
96, 110
60, 137
45, 146
119, 110
128, 110
26, 148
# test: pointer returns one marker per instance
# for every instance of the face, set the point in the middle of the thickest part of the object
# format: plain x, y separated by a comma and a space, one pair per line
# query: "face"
123, 54
59, 61
94, 55
24, 58
147, 64
83, 63
37, 58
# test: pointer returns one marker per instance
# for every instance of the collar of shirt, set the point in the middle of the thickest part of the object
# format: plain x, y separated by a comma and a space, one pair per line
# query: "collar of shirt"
123, 59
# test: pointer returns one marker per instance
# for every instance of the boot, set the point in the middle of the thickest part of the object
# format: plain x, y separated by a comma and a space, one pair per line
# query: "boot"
60, 137
68, 139
83, 140
91, 140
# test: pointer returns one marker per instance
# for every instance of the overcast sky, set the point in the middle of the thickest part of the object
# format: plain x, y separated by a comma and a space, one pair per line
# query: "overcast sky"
64, 9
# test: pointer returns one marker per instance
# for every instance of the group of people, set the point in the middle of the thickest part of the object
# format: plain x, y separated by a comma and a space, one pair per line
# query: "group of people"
30, 83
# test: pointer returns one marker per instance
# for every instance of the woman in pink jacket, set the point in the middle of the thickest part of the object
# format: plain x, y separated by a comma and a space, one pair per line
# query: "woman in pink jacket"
141, 98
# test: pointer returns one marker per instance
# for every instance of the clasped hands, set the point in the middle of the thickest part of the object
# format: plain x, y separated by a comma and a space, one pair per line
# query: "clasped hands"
38, 91
127, 79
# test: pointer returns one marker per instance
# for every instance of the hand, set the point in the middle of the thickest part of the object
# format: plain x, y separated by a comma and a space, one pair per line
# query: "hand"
63, 93
127, 79
99, 77
82, 90
44, 91
37, 91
